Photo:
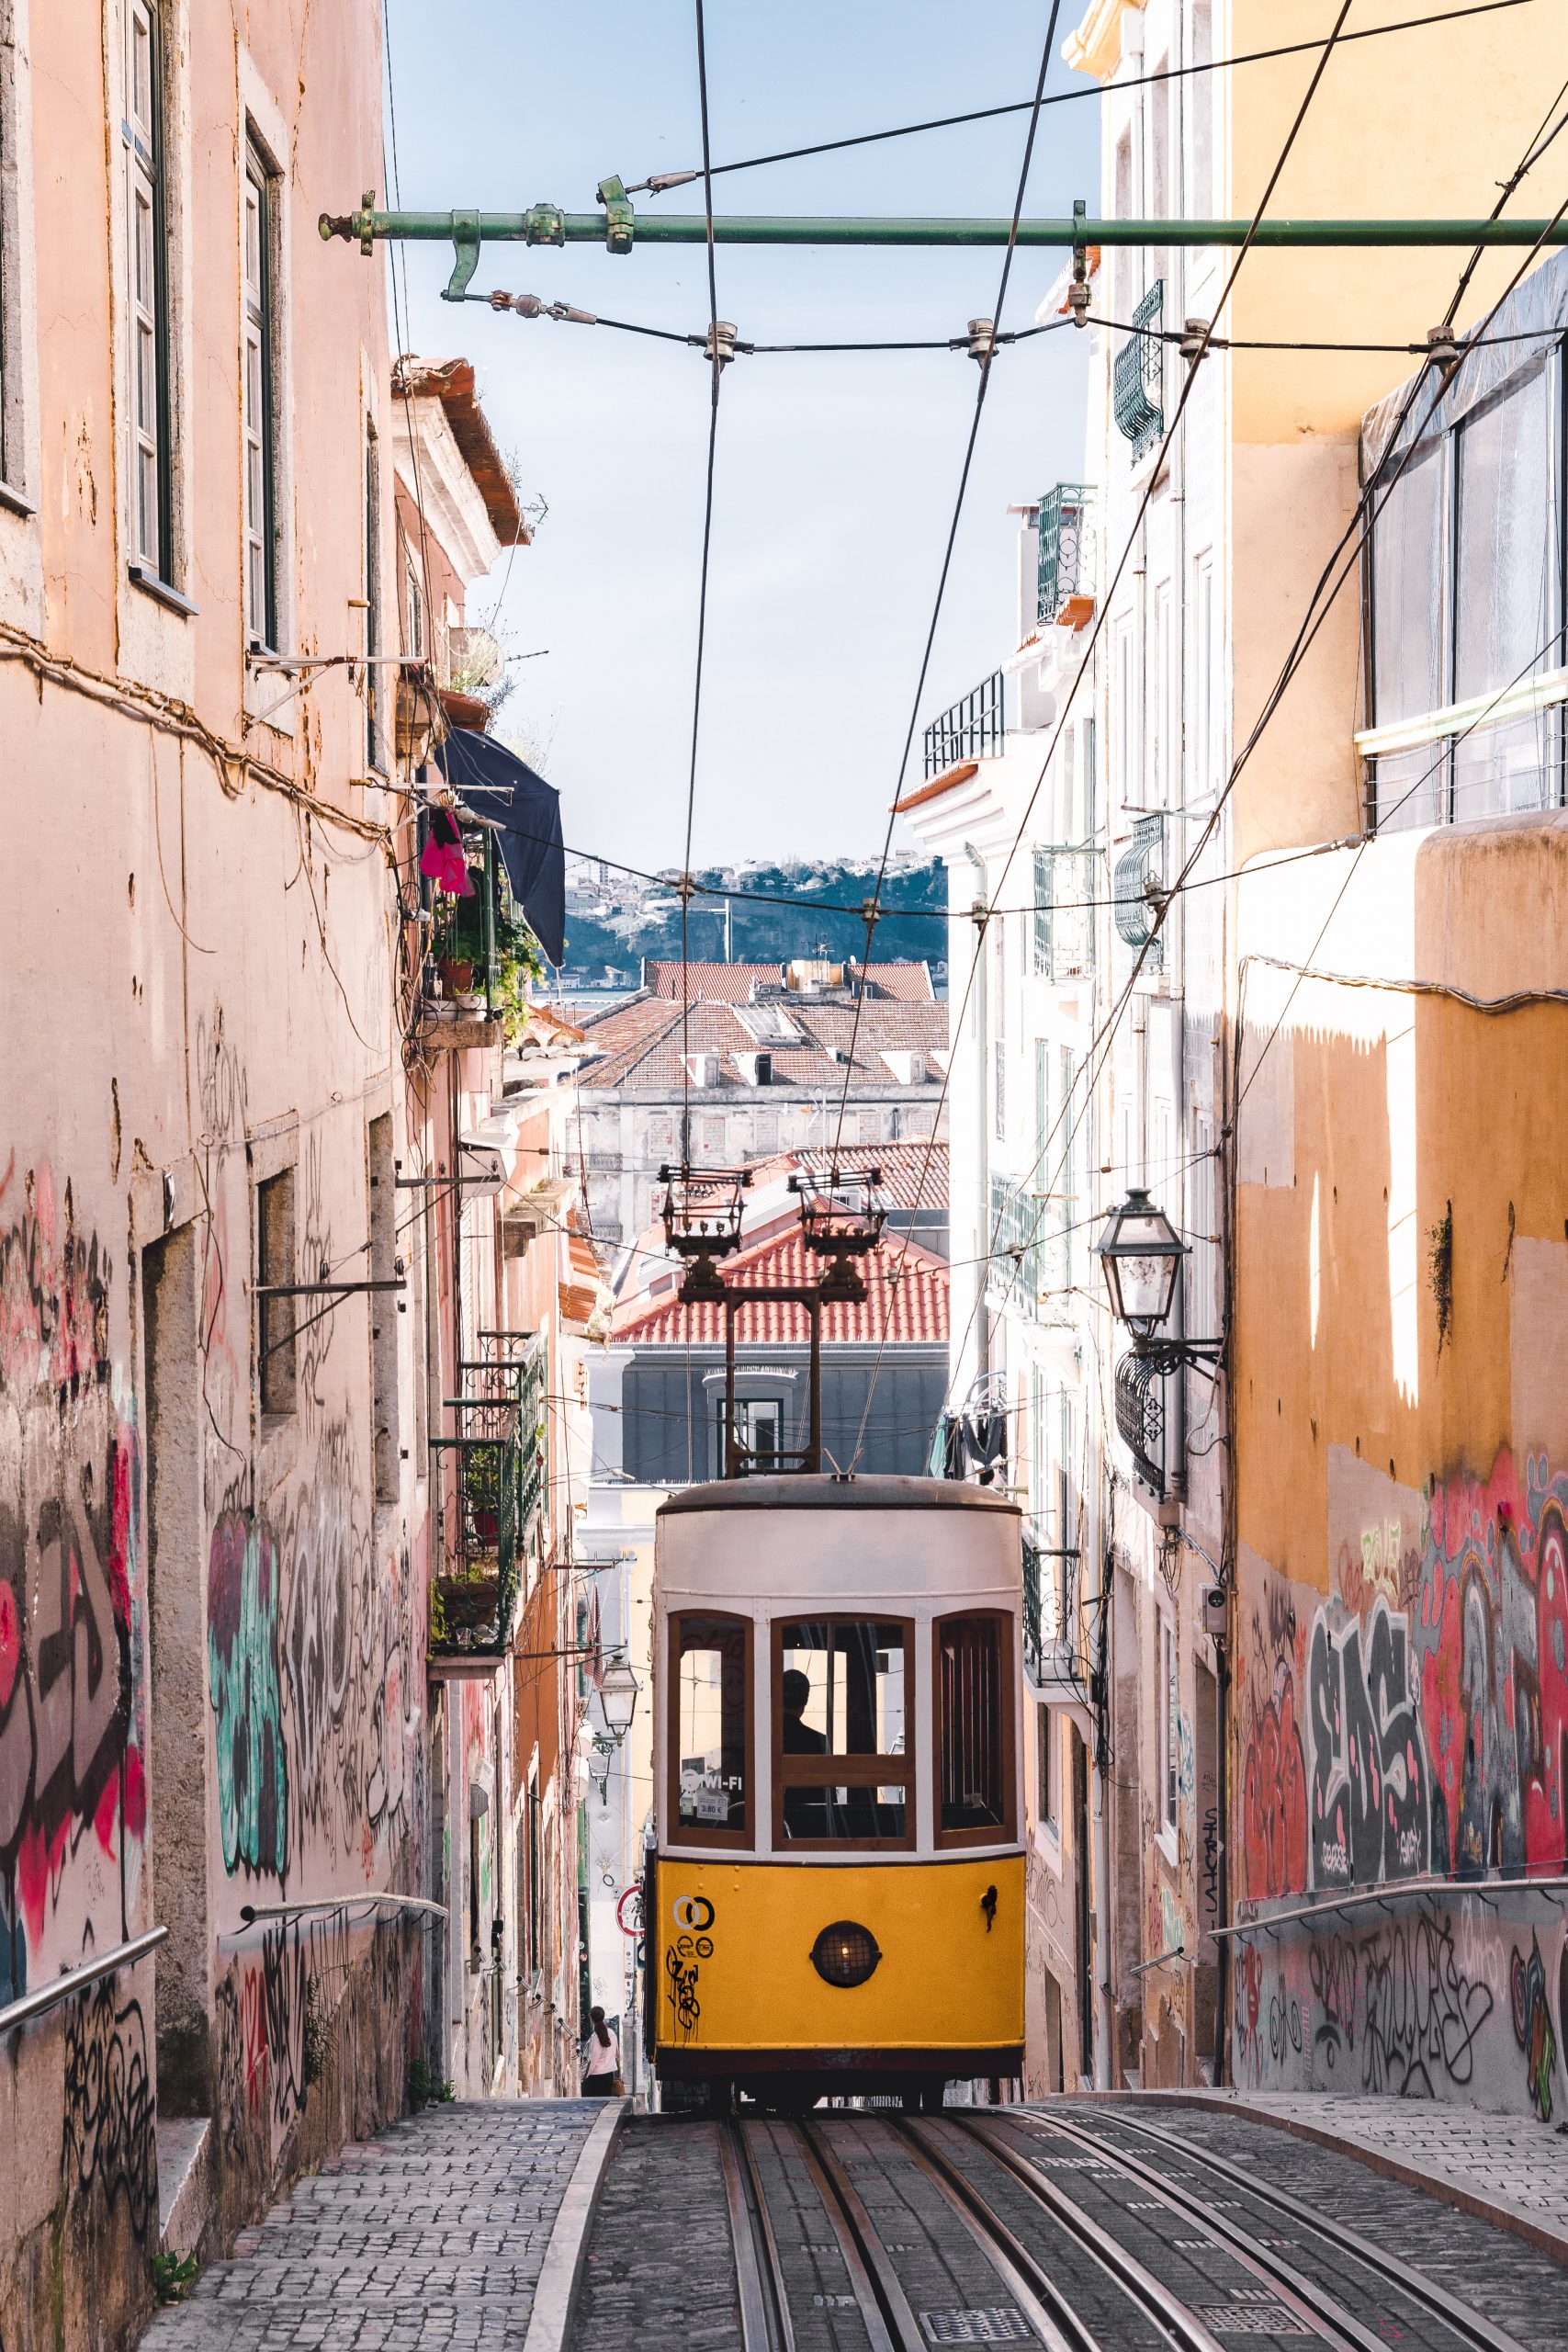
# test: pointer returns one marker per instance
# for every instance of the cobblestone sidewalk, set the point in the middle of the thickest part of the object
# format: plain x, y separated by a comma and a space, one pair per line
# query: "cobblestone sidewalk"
1499, 2166
429, 2236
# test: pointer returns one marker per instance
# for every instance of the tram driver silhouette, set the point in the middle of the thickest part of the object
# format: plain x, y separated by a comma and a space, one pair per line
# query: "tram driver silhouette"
804, 1809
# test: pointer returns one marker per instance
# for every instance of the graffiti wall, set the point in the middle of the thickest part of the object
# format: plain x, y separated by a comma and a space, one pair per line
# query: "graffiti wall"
1412, 1724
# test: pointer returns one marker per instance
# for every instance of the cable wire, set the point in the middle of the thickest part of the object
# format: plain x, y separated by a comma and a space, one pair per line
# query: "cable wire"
663, 181
873, 905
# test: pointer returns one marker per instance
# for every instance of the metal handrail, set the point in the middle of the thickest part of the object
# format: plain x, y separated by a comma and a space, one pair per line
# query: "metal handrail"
1485, 1890
250, 1912
76, 1980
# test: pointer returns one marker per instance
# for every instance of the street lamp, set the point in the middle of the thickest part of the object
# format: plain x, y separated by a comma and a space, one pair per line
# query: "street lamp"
1141, 1253
618, 1691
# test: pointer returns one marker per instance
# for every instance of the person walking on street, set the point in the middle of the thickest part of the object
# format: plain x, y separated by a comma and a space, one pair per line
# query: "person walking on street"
601, 2067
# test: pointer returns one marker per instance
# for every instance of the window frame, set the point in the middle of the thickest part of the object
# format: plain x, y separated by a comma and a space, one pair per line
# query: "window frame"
259, 330
841, 1771
1010, 1686
688, 1833
375, 747
1168, 1750
277, 1322
1048, 1772
147, 183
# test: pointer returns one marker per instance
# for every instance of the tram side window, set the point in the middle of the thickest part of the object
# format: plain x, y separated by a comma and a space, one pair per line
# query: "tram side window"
841, 1698
975, 1775
710, 1659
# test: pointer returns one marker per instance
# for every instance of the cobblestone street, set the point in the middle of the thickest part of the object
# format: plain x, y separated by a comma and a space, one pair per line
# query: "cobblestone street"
431, 2234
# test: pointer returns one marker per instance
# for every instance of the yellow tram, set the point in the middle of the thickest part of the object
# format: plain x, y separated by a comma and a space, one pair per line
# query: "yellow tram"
836, 1898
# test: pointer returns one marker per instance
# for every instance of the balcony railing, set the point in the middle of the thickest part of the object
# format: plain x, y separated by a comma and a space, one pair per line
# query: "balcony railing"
1064, 913
1140, 1419
1137, 375
489, 1476
1053, 1621
1064, 546
1013, 1268
1137, 875
973, 730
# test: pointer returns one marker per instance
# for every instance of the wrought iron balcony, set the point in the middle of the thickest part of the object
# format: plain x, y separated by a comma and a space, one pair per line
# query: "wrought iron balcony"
1137, 375
1135, 882
1053, 1653
973, 730
1063, 571
1013, 1268
1064, 913
1140, 1417
489, 1476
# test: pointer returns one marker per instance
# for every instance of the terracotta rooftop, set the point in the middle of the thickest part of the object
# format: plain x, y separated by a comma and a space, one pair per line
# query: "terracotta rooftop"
643, 1044
451, 381
735, 983
903, 1164
905, 1302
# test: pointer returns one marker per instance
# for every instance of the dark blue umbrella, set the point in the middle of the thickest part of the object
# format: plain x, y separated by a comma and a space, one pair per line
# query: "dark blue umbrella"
506, 790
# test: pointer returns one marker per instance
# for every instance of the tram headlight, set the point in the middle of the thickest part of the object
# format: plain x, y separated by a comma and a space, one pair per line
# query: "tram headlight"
845, 1953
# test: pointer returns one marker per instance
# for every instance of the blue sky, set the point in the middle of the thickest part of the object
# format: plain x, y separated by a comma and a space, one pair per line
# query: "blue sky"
835, 475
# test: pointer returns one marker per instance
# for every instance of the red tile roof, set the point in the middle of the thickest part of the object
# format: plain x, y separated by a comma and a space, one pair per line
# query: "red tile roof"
451, 381
903, 1166
714, 983
735, 983
643, 1044
905, 1302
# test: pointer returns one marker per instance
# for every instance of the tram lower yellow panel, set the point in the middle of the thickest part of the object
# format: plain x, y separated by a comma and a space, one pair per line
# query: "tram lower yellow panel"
731, 1956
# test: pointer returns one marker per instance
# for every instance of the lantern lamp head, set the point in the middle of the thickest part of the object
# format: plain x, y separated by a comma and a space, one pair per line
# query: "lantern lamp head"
1141, 1255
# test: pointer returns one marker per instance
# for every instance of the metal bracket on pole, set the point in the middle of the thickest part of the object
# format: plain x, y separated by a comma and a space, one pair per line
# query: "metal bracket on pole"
620, 221
1078, 292
466, 257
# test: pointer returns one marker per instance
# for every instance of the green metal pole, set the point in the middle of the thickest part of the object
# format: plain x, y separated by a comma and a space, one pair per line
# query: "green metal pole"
543, 225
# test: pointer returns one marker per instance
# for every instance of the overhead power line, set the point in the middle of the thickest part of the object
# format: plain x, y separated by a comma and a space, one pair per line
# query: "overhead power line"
661, 181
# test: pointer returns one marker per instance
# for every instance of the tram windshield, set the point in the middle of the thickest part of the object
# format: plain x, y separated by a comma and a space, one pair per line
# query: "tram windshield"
839, 1692
974, 1781
710, 1676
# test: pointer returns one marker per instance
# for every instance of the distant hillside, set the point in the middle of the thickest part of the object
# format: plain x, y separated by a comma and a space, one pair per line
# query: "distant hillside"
762, 932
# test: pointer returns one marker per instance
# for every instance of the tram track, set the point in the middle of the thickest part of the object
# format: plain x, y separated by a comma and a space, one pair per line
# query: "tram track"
1400, 2297
1251, 2289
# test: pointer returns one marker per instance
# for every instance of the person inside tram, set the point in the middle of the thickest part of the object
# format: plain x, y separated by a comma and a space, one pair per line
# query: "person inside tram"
805, 1810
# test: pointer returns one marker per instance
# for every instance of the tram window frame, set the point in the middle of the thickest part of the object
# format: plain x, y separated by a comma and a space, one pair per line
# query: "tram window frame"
866, 1770
1005, 1832
691, 1833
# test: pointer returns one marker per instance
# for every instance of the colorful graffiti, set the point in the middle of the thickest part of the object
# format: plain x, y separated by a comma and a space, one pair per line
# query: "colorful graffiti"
1533, 2028
246, 1697
1369, 1812
1273, 1841
71, 1738
310, 1660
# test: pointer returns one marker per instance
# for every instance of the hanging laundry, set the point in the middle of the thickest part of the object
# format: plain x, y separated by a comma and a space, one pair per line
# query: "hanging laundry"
443, 859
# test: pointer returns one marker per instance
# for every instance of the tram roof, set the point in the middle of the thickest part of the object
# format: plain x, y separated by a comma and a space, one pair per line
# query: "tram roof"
801, 1491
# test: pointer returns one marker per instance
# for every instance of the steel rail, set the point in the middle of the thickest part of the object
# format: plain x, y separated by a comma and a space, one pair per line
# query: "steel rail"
765, 2324
1180, 2324
891, 2322
1032, 2287
544, 224
1470, 2325
46, 1996
1322, 2311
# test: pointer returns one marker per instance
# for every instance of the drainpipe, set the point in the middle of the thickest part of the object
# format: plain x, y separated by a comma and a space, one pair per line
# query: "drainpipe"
979, 916
1104, 2011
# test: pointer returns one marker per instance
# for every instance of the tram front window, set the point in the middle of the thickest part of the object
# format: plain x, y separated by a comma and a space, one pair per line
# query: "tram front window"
839, 1700
973, 1778
710, 1680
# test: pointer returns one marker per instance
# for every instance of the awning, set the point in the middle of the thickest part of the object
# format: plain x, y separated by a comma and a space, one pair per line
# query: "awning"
527, 811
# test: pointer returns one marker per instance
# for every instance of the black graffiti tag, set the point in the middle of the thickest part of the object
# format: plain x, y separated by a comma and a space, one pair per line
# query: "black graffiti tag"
1370, 1801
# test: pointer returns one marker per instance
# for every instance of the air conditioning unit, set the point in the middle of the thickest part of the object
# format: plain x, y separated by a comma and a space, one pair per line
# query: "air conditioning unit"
482, 1168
